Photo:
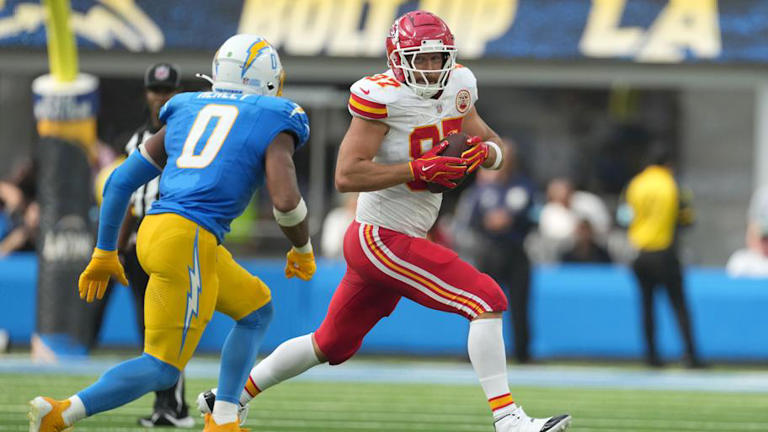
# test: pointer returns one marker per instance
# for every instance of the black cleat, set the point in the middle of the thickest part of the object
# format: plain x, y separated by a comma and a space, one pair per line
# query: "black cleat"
166, 419
518, 421
557, 423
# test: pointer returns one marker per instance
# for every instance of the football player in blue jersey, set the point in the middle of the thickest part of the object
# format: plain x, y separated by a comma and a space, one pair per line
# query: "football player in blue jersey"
215, 150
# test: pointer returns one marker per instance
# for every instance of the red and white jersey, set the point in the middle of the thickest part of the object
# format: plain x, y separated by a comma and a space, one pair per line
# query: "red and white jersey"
415, 125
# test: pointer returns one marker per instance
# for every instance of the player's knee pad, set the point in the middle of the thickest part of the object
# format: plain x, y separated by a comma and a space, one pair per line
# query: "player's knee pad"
260, 318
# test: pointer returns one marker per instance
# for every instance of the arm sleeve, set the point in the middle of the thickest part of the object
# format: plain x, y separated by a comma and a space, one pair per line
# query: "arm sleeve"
131, 174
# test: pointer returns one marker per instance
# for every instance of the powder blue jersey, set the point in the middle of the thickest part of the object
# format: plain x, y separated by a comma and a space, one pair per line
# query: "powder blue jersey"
216, 143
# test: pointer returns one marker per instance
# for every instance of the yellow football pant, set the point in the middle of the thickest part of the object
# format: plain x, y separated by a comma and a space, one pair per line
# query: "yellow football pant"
190, 276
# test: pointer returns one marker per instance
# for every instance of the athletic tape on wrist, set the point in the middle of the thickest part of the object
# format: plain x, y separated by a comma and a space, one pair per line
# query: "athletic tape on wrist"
499, 156
307, 248
291, 217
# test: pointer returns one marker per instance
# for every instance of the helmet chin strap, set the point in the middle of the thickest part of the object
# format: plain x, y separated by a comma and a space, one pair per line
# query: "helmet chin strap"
424, 92
421, 86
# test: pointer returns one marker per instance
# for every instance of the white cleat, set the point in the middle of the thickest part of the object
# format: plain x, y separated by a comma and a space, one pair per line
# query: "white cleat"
518, 421
206, 399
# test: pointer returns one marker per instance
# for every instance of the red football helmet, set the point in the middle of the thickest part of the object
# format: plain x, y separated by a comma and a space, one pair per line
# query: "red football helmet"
415, 33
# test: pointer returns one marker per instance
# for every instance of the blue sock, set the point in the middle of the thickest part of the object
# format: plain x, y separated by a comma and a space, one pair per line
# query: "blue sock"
239, 353
128, 381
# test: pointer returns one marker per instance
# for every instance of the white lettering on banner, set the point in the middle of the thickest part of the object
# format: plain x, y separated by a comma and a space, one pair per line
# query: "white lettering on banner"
315, 19
474, 22
603, 37
347, 40
683, 25
136, 18
265, 18
121, 22
308, 27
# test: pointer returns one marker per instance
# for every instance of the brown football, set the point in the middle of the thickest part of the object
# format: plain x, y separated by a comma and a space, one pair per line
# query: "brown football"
457, 144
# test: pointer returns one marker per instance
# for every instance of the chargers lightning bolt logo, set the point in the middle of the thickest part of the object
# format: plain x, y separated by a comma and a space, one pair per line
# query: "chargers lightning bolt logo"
193, 296
254, 51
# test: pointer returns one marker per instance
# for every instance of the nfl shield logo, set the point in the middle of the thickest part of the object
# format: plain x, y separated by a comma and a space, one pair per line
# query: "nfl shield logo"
162, 73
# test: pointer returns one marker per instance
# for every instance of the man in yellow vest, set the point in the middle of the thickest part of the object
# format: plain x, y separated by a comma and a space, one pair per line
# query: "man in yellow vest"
655, 202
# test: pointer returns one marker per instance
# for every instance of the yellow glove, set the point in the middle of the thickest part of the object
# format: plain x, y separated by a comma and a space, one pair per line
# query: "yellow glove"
94, 279
301, 265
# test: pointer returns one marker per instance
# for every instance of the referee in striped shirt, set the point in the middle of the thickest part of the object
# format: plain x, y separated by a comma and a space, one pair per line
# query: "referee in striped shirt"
161, 82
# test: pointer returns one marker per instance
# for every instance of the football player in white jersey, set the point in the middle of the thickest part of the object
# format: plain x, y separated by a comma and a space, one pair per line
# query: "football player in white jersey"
389, 154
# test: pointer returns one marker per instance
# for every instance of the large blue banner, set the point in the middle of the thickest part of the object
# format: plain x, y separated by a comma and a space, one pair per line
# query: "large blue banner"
576, 311
659, 31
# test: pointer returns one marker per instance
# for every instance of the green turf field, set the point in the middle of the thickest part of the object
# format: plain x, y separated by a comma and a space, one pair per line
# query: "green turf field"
344, 407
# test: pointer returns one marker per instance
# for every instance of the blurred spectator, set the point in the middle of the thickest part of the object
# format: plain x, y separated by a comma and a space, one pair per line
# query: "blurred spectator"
5, 340
335, 225
585, 248
564, 209
497, 211
19, 213
656, 209
758, 212
11, 200
22, 237
750, 262
11, 197
24, 177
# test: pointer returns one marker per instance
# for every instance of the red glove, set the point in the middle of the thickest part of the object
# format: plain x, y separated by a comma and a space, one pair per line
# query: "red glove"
476, 155
433, 168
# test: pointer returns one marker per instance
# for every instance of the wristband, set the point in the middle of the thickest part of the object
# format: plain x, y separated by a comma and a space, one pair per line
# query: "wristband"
499, 156
291, 217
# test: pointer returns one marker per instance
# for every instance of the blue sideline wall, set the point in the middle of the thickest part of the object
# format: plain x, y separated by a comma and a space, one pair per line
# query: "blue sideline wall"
576, 311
